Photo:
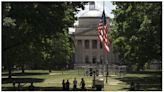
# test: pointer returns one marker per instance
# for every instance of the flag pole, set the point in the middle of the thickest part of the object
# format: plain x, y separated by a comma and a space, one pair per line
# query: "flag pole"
105, 53
103, 44
107, 59
103, 5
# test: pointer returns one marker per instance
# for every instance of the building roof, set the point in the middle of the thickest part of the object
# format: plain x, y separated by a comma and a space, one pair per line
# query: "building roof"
92, 13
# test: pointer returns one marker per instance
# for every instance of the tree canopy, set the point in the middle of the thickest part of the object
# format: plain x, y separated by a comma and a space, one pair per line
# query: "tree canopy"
137, 31
37, 31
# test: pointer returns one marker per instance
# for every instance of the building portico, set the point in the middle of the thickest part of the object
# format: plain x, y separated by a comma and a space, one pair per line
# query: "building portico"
88, 49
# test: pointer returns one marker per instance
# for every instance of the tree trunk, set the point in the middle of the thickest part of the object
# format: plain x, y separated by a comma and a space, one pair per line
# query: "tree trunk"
22, 68
129, 68
9, 70
50, 70
148, 66
140, 67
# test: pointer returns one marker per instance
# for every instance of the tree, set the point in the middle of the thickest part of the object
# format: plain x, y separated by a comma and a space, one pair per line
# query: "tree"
57, 51
136, 32
26, 25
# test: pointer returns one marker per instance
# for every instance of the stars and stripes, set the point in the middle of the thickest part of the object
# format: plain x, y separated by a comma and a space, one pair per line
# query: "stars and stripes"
102, 32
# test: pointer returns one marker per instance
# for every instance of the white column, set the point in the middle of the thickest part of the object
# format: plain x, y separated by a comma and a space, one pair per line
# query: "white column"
76, 52
82, 52
83, 45
98, 50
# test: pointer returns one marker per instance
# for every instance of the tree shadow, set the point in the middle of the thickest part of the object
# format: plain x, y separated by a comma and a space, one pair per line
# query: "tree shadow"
150, 83
146, 72
21, 80
43, 89
24, 74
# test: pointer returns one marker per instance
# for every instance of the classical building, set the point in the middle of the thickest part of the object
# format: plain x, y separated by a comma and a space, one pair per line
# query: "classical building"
88, 49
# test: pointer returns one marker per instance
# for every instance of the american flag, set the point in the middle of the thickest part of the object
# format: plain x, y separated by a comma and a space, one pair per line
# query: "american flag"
102, 32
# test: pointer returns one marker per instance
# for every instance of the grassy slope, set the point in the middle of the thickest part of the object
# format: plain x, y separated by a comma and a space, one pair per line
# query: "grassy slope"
52, 81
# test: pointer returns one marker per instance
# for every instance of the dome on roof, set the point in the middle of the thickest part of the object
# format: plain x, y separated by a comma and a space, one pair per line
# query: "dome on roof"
92, 13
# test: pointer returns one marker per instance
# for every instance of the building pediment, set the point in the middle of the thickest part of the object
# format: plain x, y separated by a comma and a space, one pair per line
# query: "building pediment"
88, 32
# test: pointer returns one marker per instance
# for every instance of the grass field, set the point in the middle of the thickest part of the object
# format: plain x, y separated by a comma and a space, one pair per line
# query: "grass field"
43, 80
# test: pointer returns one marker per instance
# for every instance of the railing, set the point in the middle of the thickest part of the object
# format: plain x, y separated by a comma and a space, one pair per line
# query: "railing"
114, 70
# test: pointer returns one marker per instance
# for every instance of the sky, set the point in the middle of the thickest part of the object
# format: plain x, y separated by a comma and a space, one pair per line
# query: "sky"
108, 6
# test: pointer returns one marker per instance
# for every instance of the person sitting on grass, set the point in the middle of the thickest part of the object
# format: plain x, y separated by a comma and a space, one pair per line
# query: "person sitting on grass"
75, 84
31, 87
82, 83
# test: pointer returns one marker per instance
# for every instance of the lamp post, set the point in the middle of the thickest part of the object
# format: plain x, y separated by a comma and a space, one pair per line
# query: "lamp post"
94, 78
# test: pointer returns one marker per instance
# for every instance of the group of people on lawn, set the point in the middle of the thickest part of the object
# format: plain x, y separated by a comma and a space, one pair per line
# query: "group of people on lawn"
19, 88
66, 85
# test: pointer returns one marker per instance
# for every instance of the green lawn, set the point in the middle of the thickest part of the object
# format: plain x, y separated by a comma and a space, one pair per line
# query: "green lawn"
43, 80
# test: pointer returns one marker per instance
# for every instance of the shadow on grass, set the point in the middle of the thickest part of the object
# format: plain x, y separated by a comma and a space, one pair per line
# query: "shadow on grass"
21, 80
43, 89
150, 83
25, 74
146, 72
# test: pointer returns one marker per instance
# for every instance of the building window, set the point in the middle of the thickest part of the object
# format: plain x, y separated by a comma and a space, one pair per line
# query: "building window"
94, 60
100, 45
87, 44
86, 59
94, 44
79, 42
